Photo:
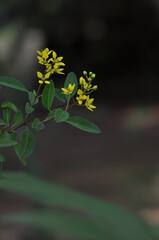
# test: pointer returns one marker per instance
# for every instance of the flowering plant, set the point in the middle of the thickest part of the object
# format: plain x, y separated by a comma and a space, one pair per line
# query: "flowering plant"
74, 93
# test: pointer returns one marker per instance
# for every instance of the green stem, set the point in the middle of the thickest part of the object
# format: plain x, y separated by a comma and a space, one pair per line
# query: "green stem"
26, 116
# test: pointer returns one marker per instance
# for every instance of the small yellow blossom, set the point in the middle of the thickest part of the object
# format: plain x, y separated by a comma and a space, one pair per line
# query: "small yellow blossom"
43, 56
57, 63
43, 77
69, 90
86, 86
55, 58
52, 63
89, 104
81, 97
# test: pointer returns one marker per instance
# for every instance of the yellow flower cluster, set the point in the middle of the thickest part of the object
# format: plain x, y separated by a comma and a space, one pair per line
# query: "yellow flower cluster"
85, 89
69, 89
52, 63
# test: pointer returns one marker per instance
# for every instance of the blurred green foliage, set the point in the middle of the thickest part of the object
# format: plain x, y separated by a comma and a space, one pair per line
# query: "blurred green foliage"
70, 213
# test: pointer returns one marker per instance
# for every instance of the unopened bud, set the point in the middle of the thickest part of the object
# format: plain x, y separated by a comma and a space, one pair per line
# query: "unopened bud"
84, 73
93, 75
90, 73
95, 87
89, 79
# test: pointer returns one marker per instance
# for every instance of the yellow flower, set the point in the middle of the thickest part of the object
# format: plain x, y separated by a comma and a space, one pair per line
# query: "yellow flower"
81, 97
69, 89
57, 68
84, 84
55, 58
43, 56
82, 81
89, 104
43, 77
57, 63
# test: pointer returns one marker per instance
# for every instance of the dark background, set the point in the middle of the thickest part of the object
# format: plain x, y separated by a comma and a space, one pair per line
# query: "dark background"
118, 40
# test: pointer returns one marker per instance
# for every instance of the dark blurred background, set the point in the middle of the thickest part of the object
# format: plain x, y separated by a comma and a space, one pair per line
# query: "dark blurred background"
118, 40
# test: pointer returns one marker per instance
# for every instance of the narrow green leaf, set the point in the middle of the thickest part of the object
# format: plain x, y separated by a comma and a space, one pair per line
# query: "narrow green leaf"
28, 108
26, 145
61, 115
5, 140
83, 124
37, 124
10, 105
59, 95
48, 95
71, 79
60, 223
18, 118
2, 122
6, 115
116, 222
31, 96
13, 83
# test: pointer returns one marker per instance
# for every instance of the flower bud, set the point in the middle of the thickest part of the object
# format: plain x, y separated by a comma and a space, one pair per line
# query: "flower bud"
84, 73
95, 87
89, 79
93, 75
90, 73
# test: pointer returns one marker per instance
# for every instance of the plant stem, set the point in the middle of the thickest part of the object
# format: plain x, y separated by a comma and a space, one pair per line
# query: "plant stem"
26, 116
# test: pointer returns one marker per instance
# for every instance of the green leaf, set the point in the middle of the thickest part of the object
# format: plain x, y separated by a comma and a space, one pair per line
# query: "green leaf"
116, 222
71, 79
59, 95
26, 145
31, 96
50, 115
61, 115
12, 83
14, 135
48, 95
37, 124
60, 223
18, 118
5, 140
9, 105
6, 115
83, 124
28, 108
2, 122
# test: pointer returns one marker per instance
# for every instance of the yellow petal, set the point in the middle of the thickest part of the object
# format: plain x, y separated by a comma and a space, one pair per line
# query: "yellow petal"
84, 97
92, 106
91, 100
59, 59
39, 75
54, 55
50, 60
47, 75
49, 52
41, 82
65, 90
57, 65
79, 92
45, 56
40, 59
59, 71
47, 82
39, 52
